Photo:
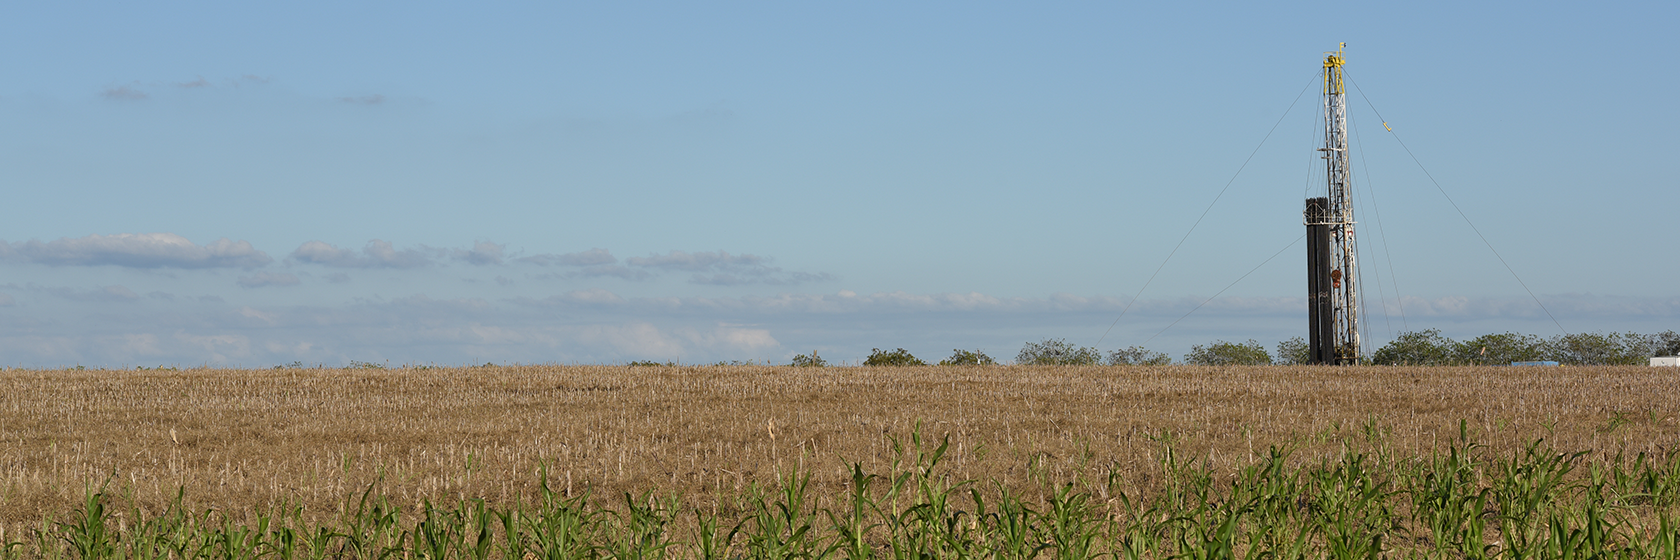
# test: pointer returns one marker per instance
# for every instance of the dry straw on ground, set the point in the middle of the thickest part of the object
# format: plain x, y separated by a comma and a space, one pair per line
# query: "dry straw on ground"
243, 439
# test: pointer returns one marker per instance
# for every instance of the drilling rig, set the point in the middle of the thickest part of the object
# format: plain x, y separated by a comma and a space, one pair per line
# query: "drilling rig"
1332, 273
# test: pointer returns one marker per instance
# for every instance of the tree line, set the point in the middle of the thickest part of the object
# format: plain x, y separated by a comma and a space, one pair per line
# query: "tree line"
1425, 348
1429, 347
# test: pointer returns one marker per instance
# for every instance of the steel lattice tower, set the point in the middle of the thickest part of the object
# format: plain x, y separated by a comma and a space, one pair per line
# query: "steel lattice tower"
1332, 273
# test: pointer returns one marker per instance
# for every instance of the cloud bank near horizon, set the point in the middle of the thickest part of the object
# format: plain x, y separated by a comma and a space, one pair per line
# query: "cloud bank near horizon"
130, 299
135, 250
705, 267
600, 326
172, 251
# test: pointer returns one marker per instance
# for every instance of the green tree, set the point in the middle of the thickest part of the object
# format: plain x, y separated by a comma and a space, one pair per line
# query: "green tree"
1057, 352
1137, 356
812, 360
1598, 349
899, 357
1221, 353
1666, 343
1417, 348
1500, 349
960, 357
1293, 352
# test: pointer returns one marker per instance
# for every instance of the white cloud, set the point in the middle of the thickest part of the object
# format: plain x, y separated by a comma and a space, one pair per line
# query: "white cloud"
218, 348
123, 93
265, 278
592, 257
284, 349
107, 294
698, 261
482, 253
374, 99
167, 250
255, 314
376, 254
747, 341
723, 269
594, 296
141, 344
594, 263
7, 301
1571, 305
136, 250
772, 276
601, 271
636, 339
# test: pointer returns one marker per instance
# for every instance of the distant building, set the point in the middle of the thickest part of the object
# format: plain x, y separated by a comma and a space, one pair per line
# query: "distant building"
1665, 361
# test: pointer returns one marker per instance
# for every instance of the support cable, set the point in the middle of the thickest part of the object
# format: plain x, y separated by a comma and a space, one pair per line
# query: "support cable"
1382, 301
1365, 307
1315, 137
1205, 212
1365, 302
1460, 211
1233, 284
1387, 255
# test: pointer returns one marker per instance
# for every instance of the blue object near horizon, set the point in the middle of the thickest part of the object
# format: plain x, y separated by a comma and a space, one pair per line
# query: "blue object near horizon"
1541, 363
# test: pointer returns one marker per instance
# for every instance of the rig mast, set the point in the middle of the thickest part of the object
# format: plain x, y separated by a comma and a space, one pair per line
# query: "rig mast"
1332, 290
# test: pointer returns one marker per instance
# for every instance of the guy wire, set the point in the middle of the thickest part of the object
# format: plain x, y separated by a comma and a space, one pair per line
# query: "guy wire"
1460, 211
1233, 284
1205, 211
1370, 188
1382, 301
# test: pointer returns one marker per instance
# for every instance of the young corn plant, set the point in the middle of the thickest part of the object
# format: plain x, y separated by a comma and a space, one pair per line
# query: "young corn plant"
708, 545
641, 533
1351, 509
779, 527
480, 519
439, 535
852, 525
236, 541
1525, 485
373, 530
87, 533
1449, 503
934, 526
1071, 525
1279, 527
1135, 533
555, 529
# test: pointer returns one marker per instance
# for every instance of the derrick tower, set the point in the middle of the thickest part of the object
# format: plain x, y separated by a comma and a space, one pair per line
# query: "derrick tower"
1332, 287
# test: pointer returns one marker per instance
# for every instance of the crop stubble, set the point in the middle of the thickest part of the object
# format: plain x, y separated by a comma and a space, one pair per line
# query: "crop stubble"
242, 439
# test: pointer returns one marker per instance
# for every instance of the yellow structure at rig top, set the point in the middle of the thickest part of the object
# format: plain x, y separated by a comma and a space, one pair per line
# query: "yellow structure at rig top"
1333, 70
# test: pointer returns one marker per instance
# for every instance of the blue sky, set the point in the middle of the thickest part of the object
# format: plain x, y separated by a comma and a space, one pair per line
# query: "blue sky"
253, 184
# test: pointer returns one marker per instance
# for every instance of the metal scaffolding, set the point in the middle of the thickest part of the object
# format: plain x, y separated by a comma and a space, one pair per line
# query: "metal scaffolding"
1332, 273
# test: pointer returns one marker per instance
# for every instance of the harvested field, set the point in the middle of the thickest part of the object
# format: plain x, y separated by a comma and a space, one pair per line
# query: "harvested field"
242, 439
